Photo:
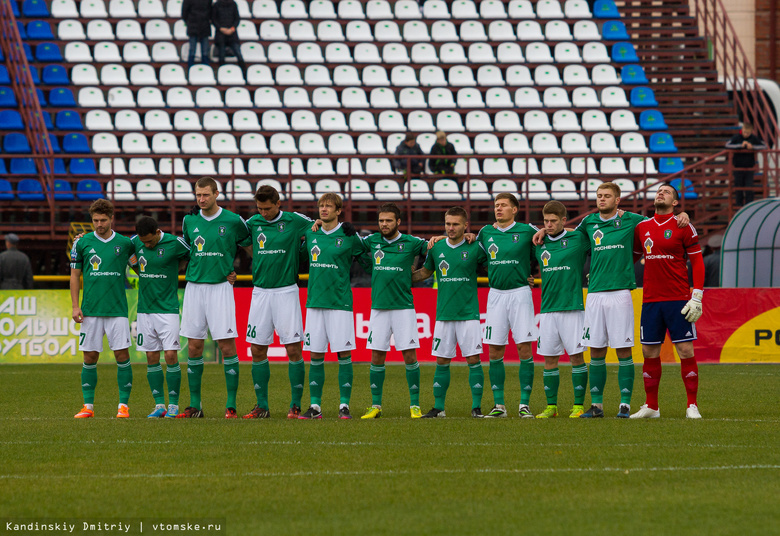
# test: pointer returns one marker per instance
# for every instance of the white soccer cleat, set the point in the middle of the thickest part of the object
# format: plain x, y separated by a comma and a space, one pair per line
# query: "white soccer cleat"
693, 412
645, 412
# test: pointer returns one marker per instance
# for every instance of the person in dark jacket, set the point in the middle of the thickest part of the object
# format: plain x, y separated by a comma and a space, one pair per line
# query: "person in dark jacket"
745, 162
406, 148
225, 18
444, 166
15, 268
196, 14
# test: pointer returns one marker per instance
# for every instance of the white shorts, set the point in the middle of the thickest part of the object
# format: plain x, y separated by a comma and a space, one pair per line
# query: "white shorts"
332, 326
559, 331
275, 309
156, 332
609, 320
396, 326
509, 309
208, 308
467, 334
115, 328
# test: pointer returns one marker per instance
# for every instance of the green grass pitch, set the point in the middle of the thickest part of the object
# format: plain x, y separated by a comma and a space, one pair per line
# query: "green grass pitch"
454, 476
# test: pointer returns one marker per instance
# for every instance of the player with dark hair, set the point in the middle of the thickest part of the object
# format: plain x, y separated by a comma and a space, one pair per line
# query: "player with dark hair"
455, 263
667, 303
159, 257
329, 319
392, 255
213, 234
102, 257
276, 240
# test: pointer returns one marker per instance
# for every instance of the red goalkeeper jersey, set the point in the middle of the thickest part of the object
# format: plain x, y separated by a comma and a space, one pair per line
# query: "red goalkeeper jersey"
665, 247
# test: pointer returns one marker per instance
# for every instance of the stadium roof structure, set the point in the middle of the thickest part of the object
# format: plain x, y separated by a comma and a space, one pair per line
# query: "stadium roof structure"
750, 256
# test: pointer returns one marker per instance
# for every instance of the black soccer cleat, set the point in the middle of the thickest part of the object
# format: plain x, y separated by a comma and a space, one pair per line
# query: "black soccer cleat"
593, 413
477, 413
434, 414
190, 413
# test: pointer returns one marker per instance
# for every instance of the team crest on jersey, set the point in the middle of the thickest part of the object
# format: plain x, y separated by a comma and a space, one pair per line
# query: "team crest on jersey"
401, 247
597, 236
649, 245
493, 249
222, 230
515, 238
546, 257
280, 226
464, 255
117, 250
160, 252
617, 223
315, 252
95, 261
668, 234
565, 243
378, 256
443, 267
339, 242
142, 263
199, 243
261, 240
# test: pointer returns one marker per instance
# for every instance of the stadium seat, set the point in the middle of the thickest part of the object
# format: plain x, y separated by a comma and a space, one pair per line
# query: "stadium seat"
632, 142
387, 190
652, 120
589, 187
35, 9
643, 97
670, 165
614, 30
62, 190
516, 144
74, 143
474, 189
528, 30
623, 120
639, 165
564, 190
23, 166
689, 192
230, 166
527, 98
89, 190
63, 97
662, 142
632, 74
29, 190
299, 190
652, 187
11, 120
60, 9
605, 9
180, 190
586, 30
148, 190
627, 188
6, 190
604, 75
82, 166
613, 166
16, 144
624, 52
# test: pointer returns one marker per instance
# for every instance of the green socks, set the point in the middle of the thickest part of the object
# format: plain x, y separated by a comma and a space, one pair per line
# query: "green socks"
526, 380
194, 379
598, 379
552, 380
124, 379
376, 376
261, 372
476, 381
345, 379
297, 374
497, 374
579, 379
88, 382
626, 379
316, 379
154, 374
441, 382
413, 381
231, 379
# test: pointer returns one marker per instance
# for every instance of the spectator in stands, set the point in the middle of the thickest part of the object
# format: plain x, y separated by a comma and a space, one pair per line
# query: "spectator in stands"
712, 261
196, 14
745, 161
409, 147
225, 18
15, 268
443, 166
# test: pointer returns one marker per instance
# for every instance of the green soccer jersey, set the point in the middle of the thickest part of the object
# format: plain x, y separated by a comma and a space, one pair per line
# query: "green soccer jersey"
213, 242
158, 273
103, 264
561, 260
456, 272
276, 246
391, 269
509, 254
612, 247
330, 259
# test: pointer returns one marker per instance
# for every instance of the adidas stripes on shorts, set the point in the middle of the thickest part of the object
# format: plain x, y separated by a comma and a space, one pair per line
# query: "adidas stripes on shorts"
559, 331
400, 324
156, 332
609, 320
275, 309
466, 334
510, 309
329, 326
115, 328
208, 308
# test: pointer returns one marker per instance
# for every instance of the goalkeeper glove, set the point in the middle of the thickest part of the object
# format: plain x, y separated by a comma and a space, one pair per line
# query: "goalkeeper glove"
692, 309
348, 228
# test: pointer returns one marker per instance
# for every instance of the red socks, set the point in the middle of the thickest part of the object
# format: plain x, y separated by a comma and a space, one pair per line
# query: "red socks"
690, 376
651, 374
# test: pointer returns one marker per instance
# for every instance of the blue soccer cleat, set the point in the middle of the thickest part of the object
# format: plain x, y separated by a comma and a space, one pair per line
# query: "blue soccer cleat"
158, 413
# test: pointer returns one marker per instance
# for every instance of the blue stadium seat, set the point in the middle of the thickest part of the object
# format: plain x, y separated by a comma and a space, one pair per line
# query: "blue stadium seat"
3, 171
35, 8
2, 58
633, 74
605, 9
6, 190
15, 8
89, 190
23, 166
34, 75
68, 120
28, 52
62, 97
11, 120
55, 143
690, 193
29, 190
48, 52
7, 97
42, 98
662, 142
652, 120
4, 78
643, 97
670, 164
624, 53
16, 144
59, 166
20, 27
39, 29
62, 190
55, 75
75, 143
47, 120
83, 166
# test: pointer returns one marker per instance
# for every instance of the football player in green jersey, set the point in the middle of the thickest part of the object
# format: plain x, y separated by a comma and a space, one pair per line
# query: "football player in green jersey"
561, 260
329, 317
159, 257
276, 306
102, 257
392, 255
213, 235
455, 262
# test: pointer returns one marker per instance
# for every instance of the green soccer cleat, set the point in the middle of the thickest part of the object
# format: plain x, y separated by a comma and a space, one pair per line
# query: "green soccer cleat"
374, 412
576, 411
525, 412
549, 412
